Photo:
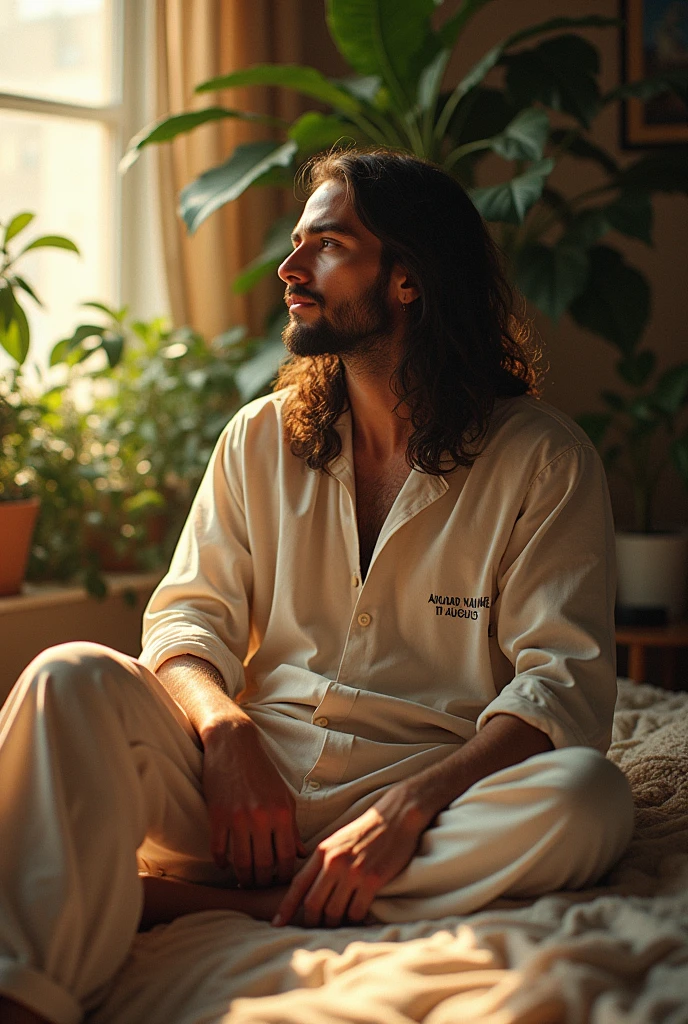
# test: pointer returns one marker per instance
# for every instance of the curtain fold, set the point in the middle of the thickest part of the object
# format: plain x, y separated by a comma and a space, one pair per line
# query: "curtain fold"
197, 40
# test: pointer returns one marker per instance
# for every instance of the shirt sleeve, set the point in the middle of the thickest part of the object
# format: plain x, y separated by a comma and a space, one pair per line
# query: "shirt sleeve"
554, 611
202, 606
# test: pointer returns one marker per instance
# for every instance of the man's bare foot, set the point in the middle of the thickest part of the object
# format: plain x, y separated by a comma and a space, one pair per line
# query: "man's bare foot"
15, 1013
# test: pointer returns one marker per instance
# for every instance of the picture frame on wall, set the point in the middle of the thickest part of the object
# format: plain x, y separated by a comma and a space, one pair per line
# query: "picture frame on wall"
655, 40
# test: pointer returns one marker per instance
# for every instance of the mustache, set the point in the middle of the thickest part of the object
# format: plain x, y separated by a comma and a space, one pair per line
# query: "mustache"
304, 293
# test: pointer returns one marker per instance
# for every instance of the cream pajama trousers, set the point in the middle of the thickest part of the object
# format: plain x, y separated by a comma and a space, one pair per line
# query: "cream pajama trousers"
97, 762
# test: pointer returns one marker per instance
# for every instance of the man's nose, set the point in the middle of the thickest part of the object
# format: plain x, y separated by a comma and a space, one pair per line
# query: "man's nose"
293, 270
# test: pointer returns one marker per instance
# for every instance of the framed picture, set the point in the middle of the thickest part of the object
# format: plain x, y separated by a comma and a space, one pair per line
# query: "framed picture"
655, 39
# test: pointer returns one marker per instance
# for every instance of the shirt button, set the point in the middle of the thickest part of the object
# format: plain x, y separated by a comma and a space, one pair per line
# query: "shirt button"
364, 619
322, 722
313, 785
354, 580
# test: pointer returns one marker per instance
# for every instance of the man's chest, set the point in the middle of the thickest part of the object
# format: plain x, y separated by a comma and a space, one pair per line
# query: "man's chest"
376, 491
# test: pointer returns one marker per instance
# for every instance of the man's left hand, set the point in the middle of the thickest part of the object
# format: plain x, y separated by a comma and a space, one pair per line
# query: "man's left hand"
343, 875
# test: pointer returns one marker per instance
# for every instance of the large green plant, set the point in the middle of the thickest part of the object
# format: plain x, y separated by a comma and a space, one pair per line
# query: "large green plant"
534, 114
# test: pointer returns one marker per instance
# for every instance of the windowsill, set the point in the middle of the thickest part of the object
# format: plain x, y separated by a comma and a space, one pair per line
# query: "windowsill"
48, 614
45, 595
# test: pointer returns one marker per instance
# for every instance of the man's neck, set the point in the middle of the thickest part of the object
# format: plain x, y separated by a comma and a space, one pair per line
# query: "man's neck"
380, 431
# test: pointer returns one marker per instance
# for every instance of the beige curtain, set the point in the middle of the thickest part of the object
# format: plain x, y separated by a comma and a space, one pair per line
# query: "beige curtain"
196, 40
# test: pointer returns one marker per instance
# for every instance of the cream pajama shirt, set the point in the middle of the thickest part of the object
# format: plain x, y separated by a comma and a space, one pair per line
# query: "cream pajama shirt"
490, 591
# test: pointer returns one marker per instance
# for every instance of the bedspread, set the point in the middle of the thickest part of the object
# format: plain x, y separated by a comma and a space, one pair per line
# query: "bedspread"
614, 954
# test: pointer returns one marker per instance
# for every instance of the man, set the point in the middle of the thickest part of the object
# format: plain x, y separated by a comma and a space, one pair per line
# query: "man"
384, 645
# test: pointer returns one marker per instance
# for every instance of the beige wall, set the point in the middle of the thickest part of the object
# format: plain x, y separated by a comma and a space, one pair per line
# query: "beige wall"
580, 364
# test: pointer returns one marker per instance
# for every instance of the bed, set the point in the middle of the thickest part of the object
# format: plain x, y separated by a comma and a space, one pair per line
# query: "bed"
615, 954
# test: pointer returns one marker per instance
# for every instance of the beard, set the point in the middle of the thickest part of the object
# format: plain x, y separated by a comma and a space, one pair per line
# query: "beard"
354, 326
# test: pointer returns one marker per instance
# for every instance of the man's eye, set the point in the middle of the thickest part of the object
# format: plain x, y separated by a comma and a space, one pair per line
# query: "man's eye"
327, 243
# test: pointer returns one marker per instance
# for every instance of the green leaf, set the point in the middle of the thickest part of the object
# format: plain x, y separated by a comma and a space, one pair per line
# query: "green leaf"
581, 147
16, 337
16, 225
167, 128
113, 346
671, 393
6, 305
26, 287
454, 26
60, 352
525, 137
362, 87
390, 38
551, 277
84, 331
116, 314
616, 300
586, 228
277, 247
631, 214
304, 80
484, 112
51, 242
595, 425
679, 456
637, 368
313, 132
430, 79
614, 400
224, 183
511, 201
665, 171
561, 73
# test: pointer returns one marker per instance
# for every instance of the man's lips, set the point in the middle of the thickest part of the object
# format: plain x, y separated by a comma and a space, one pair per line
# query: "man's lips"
296, 301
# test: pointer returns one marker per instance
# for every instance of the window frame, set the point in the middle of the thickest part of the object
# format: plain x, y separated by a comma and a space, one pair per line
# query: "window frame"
131, 41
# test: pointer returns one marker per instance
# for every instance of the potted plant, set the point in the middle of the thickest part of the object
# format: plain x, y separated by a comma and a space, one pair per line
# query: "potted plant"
643, 434
18, 501
158, 399
536, 112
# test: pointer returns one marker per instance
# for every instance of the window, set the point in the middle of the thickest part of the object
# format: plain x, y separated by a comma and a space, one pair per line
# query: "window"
75, 85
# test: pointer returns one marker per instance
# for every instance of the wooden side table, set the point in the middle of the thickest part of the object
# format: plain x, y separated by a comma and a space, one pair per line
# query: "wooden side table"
638, 638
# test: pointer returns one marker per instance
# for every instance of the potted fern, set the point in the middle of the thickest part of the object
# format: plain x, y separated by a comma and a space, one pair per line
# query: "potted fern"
18, 412
641, 436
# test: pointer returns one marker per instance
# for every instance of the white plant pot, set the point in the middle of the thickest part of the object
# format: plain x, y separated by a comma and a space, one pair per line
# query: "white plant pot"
652, 572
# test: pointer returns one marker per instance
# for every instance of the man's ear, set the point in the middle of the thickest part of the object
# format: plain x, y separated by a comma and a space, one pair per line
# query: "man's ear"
405, 289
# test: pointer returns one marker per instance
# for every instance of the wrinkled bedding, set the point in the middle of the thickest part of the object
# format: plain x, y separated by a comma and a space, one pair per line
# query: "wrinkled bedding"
615, 954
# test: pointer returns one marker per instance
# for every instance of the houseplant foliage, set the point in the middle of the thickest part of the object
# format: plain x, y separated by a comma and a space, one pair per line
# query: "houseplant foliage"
534, 114
19, 495
644, 430
130, 429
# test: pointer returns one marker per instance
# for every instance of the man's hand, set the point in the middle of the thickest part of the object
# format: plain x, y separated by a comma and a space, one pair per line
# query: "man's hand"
251, 810
344, 874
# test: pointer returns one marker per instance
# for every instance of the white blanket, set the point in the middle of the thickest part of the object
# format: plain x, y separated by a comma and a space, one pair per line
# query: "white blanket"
615, 954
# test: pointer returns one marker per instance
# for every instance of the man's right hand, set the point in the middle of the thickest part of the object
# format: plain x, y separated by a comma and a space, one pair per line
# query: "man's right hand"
252, 812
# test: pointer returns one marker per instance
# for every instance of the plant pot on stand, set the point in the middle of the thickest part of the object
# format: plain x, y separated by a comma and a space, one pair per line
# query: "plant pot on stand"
17, 521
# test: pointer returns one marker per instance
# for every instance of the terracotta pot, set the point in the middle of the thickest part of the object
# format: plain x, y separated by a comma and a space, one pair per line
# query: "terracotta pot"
17, 521
652, 577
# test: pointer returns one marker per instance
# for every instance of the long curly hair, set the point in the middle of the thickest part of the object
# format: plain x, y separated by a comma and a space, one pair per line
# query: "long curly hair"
464, 346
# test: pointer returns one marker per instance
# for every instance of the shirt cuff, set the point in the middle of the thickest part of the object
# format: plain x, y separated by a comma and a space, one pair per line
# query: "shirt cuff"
159, 649
541, 709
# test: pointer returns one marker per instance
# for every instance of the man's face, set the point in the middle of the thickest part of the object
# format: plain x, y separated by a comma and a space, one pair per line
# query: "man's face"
337, 292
